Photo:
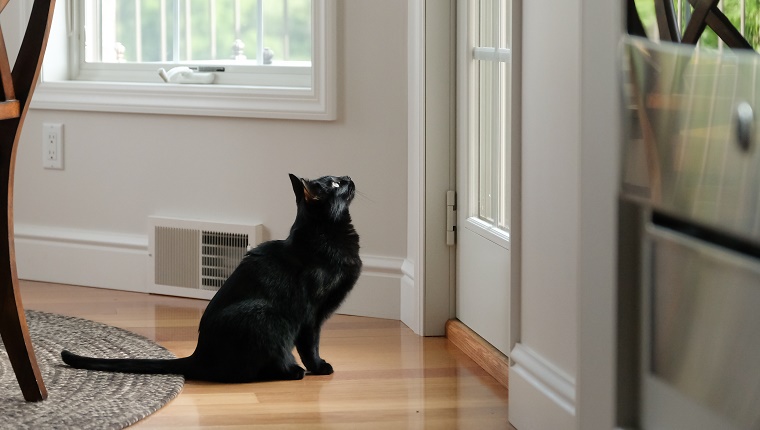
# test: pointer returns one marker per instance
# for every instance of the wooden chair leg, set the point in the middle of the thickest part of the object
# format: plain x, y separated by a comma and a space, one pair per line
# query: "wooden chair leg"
17, 88
13, 327
15, 336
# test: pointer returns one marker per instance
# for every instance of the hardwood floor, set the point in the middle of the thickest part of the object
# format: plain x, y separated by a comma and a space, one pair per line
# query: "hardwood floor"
386, 377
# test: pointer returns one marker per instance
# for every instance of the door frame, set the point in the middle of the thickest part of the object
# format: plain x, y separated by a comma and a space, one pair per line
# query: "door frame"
428, 282
515, 237
427, 286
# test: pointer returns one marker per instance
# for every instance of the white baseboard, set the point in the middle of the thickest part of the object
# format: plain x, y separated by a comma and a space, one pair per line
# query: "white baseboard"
410, 298
377, 293
118, 261
82, 257
540, 395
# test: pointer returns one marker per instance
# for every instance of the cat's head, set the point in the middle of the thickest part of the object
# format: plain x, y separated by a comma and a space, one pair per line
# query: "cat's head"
328, 196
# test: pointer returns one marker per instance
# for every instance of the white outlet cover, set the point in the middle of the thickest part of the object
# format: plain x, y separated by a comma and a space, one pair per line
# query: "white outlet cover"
52, 146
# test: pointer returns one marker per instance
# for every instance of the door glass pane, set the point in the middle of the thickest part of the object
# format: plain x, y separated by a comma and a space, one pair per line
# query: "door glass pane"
486, 140
504, 146
491, 155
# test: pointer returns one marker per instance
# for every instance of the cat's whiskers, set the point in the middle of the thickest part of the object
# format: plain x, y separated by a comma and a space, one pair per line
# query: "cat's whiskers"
364, 197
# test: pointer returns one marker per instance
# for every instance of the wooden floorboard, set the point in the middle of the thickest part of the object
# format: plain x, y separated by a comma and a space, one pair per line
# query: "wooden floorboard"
386, 377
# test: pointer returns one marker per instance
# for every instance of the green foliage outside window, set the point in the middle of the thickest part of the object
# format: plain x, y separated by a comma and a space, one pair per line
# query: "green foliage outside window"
731, 8
298, 30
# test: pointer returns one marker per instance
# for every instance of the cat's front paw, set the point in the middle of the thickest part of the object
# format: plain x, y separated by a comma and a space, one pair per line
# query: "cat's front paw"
295, 373
322, 368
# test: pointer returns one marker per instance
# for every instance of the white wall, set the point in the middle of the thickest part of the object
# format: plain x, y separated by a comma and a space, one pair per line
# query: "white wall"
543, 376
599, 172
562, 376
551, 121
121, 168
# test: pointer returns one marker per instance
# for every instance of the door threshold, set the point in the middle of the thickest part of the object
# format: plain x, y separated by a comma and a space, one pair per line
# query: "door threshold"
493, 361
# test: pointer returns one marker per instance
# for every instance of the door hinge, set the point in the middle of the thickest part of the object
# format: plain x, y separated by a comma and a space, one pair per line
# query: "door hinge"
451, 217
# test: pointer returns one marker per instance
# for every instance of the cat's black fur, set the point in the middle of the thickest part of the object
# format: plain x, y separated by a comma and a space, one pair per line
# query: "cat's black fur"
277, 298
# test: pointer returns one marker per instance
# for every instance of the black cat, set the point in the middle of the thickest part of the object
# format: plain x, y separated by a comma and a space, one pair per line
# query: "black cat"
277, 298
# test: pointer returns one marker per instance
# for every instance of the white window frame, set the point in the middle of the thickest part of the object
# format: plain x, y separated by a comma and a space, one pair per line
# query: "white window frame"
476, 54
58, 91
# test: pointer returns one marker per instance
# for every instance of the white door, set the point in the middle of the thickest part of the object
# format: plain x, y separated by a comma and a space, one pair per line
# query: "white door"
484, 118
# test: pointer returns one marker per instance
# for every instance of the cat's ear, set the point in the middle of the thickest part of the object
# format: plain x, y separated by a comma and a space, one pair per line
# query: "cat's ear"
300, 189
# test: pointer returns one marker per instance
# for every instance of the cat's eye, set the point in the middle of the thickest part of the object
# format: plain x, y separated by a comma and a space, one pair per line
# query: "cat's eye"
335, 185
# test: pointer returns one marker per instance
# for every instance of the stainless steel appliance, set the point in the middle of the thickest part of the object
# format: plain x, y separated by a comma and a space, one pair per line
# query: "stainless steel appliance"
689, 274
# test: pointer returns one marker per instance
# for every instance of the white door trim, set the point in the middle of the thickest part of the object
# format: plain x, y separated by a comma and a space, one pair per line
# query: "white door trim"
427, 286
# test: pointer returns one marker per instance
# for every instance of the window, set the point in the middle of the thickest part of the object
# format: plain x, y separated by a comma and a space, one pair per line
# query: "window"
250, 58
491, 96
243, 42
743, 14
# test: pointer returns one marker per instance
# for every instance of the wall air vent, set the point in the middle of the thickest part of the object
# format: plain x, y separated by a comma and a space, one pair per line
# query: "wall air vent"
194, 258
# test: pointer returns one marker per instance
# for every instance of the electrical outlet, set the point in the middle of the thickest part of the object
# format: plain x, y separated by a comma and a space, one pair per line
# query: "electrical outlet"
52, 146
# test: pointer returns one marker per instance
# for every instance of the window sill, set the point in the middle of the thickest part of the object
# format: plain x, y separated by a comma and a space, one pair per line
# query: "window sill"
183, 99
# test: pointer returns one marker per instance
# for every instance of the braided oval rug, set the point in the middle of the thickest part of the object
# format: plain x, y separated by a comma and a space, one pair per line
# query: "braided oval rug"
80, 399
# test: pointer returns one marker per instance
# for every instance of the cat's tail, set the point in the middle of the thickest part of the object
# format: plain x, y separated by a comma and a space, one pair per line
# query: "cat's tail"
179, 366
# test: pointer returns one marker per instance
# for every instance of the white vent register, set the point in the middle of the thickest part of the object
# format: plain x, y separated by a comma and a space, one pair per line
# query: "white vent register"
194, 258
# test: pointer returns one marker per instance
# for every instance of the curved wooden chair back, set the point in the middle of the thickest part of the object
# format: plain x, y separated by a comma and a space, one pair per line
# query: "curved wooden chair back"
17, 88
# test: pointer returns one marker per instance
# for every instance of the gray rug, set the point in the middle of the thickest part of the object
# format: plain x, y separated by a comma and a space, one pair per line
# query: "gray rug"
80, 399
